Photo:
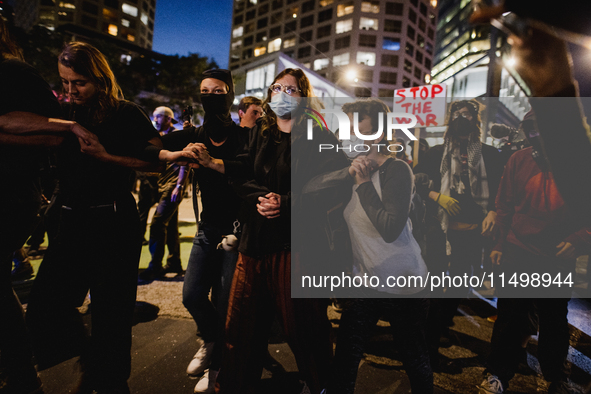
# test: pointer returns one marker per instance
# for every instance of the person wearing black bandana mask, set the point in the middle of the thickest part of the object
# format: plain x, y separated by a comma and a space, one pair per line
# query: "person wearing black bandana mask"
461, 207
208, 266
537, 234
270, 176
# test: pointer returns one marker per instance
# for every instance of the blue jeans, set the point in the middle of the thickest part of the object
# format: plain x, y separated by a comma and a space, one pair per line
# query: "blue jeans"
164, 231
209, 268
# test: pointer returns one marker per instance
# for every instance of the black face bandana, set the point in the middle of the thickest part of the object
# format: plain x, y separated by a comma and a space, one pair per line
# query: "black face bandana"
217, 120
216, 104
462, 127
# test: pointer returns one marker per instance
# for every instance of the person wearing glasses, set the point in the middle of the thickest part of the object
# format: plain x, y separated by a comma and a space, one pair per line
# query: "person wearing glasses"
466, 174
269, 177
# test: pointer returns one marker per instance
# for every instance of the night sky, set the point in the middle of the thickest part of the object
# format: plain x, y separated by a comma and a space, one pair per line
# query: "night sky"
194, 26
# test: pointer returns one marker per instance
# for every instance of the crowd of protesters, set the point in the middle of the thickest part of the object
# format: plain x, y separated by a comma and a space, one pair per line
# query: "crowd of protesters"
258, 181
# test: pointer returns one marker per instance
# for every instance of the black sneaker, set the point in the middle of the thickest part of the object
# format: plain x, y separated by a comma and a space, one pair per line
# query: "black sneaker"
173, 268
149, 274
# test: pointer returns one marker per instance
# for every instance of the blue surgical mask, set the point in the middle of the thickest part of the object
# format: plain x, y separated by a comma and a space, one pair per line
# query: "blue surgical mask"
349, 146
283, 105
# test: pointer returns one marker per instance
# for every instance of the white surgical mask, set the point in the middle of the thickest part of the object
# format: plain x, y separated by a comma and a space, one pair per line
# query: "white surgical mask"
349, 146
283, 105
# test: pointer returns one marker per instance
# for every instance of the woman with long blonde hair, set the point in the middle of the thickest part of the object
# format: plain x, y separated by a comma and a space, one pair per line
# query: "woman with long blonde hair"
98, 219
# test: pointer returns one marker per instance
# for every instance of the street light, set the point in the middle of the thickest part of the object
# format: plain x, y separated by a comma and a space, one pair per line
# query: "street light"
352, 74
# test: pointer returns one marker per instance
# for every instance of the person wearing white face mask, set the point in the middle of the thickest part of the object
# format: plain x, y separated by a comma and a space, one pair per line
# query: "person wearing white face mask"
269, 178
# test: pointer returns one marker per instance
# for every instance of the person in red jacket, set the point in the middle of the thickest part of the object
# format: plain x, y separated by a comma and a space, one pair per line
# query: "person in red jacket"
538, 235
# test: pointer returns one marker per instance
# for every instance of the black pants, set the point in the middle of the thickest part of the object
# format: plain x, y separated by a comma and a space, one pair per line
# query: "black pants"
407, 317
18, 218
147, 197
514, 321
96, 249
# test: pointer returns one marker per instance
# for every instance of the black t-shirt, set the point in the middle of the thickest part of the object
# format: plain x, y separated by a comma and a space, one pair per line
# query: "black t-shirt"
220, 202
86, 181
23, 89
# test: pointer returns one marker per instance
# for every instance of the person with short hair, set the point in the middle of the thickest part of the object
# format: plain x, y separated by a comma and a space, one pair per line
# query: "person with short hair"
164, 228
249, 110
210, 268
538, 235
380, 190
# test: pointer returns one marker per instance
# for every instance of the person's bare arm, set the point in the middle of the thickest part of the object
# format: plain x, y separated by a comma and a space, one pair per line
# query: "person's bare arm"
26, 128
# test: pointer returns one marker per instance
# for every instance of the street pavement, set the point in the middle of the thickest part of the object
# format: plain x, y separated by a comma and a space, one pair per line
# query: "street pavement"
164, 341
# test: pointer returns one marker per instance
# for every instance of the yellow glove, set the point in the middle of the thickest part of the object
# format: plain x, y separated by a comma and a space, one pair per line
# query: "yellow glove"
451, 205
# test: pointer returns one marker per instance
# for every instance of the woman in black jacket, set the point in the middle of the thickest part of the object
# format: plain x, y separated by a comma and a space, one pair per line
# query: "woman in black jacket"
269, 177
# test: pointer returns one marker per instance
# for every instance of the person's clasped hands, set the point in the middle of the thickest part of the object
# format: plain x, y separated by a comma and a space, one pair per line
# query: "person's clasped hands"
361, 169
269, 205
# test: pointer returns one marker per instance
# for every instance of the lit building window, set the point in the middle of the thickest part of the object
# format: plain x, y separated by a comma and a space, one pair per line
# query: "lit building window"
391, 44
324, 3
320, 64
124, 23
237, 32
371, 7
260, 78
67, 5
344, 26
274, 45
144, 18
345, 9
236, 44
368, 24
46, 16
129, 9
130, 38
289, 42
341, 60
109, 15
367, 58
112, 30
260, 51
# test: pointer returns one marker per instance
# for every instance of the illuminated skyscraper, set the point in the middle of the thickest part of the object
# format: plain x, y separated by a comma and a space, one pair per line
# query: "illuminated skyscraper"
367, 47
130, 21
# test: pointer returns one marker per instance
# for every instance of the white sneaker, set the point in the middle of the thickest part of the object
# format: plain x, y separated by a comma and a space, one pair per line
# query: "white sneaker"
201, 360
206, 385
490, 385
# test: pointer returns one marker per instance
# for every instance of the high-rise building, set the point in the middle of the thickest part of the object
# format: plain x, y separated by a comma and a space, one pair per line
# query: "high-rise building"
129, 21
367, 47
465, 62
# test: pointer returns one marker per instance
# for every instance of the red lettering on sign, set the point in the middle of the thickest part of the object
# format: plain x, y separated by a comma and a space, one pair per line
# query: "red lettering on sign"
431, 120
436, 89
400, 92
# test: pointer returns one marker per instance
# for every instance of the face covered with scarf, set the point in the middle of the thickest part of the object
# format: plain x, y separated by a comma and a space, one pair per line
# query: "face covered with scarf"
462, 123
217, 96
530, 129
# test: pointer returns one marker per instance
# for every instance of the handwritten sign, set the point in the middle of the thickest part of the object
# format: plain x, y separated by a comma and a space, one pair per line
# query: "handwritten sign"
427, 103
